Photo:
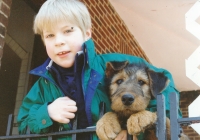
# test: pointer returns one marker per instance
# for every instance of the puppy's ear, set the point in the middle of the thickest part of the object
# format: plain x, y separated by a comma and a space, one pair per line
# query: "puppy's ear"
115, 66
158, 82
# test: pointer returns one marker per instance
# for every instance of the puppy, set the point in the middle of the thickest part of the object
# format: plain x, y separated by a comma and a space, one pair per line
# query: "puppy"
131, 87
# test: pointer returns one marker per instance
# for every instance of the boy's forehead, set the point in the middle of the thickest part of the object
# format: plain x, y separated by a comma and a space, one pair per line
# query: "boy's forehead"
57, 25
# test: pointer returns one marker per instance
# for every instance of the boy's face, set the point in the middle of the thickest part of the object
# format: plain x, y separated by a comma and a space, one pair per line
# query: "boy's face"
63, 42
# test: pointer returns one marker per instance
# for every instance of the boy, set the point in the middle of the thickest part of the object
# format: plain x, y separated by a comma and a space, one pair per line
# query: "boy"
71, 81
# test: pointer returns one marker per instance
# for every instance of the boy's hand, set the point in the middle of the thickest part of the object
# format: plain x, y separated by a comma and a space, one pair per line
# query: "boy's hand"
62, 110
122, 135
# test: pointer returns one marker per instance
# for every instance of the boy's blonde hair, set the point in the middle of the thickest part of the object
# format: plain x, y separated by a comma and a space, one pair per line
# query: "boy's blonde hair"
54, 11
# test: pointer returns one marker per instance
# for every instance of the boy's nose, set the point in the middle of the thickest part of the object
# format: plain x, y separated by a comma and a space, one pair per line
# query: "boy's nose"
59, 41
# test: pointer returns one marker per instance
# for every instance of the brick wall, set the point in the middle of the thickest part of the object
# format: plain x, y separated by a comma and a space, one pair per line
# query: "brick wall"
187, 98
4, 14
110, 33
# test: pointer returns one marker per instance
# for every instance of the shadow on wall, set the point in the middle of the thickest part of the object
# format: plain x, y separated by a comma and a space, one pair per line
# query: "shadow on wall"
9, 76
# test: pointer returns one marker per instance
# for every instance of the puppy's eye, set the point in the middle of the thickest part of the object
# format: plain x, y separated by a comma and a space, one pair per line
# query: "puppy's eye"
119, 81
141, 83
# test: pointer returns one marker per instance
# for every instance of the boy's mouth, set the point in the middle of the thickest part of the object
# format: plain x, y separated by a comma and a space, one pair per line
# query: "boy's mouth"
62, 53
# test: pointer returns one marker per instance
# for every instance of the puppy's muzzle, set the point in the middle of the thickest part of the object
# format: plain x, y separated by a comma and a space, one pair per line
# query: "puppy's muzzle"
127, 99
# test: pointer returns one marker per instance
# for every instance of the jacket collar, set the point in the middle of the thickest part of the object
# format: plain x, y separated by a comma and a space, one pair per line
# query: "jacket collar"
89, 55
89, 51
41, 70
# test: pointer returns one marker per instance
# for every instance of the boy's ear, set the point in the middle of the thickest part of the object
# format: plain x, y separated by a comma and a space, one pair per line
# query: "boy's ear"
88, 34
158, 82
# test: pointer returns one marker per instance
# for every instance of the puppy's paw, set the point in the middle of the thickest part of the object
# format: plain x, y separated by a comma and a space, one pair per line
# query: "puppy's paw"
108, 127
140, 121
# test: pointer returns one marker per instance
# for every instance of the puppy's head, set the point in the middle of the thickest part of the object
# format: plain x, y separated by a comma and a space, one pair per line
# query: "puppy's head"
131, 86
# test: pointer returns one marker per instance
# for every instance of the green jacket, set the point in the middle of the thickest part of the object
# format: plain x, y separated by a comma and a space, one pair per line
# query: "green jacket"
33, 111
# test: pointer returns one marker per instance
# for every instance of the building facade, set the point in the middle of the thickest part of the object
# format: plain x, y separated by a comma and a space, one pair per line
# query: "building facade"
21, 50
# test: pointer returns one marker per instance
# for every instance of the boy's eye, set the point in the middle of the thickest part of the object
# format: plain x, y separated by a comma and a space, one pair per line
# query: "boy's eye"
68, 31
49, 36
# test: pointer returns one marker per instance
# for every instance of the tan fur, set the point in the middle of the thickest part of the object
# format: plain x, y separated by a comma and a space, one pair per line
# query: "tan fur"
138, 122
136, 82
108, 127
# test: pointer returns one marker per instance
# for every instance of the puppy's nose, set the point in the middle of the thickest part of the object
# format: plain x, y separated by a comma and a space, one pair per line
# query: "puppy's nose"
127, 99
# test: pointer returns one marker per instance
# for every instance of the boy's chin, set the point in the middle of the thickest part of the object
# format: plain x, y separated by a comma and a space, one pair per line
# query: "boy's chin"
65, 65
